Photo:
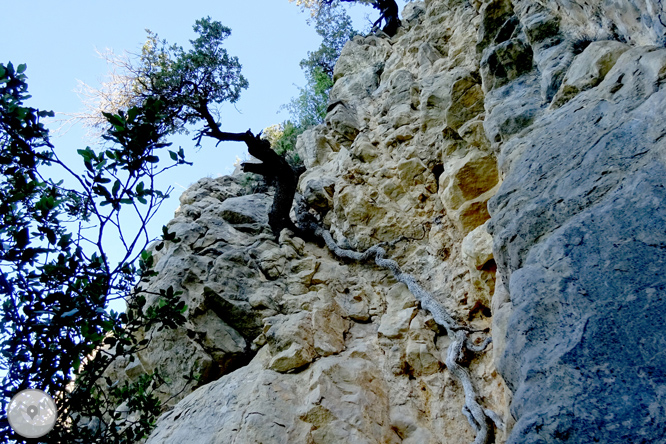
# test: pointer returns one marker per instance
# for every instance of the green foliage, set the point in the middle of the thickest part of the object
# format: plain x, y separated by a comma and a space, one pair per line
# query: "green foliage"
188, 82
308, 109
335, 27
317, 7
285, 145
287, 139
56, 278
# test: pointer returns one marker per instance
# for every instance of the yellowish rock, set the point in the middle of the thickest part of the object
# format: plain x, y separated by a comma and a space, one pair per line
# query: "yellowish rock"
588, 69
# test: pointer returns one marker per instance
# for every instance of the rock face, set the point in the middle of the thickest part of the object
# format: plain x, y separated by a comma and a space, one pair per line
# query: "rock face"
579, 232
579, 228
218, 228
515, 153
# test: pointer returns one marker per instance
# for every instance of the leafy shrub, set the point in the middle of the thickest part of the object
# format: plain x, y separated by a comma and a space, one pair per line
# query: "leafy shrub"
57, 277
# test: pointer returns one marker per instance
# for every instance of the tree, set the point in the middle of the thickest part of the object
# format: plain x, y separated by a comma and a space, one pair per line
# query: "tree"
190, 84
283, 137
117, 92
309, 108
388, 11
168, 72
57, 277
335, 28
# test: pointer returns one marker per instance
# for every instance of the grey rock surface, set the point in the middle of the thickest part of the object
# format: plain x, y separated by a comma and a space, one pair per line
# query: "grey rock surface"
579, 226
248, 209
214, 265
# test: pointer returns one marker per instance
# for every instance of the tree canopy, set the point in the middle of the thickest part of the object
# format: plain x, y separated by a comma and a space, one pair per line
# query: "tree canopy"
388, 11
190, 83
308, 109
183, 80
57, 274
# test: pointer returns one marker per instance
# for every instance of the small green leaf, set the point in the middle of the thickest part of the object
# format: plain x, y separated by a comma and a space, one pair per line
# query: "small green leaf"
132, 113
116, 188
86, 154
65, 241
51, 236
116, 120
22, 238
21, 68
145, 255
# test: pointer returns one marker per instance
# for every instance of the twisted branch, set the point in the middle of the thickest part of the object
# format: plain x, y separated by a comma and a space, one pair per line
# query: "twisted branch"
478, 417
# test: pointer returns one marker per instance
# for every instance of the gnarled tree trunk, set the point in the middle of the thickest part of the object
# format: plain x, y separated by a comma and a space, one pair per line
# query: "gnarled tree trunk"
275, 168
389, 13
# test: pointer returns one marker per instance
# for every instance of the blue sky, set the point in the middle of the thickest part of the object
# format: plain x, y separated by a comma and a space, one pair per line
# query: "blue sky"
58, 40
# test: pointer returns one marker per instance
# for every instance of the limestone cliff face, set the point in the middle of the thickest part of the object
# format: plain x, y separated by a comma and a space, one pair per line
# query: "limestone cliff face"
516, 150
